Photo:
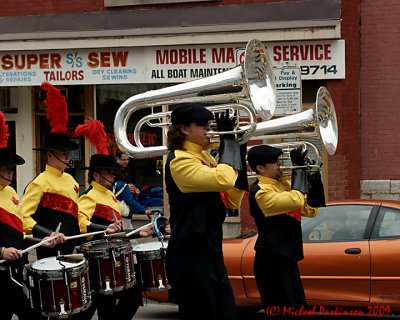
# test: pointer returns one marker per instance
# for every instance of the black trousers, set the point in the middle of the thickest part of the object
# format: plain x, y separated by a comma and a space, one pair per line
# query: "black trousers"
121, 305
200, 283
12, 299
279, 283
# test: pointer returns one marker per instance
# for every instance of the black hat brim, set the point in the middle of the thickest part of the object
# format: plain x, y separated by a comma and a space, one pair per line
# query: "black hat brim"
15, 161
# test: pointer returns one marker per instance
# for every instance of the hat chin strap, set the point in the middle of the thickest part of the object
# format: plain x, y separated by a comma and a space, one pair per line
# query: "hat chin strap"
10, 180
68, 164
110, 181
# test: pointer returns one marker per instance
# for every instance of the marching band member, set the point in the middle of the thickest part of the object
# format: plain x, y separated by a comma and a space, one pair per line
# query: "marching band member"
51, 198
195, 181
11, 235
98, 209
277, 207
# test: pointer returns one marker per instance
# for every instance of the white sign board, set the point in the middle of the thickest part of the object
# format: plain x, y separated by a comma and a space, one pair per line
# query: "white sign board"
288, 91
170, 64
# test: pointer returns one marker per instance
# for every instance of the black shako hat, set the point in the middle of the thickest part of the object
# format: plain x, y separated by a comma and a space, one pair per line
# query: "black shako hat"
102, 162
262, 154
9, 158
57, 141
188, 113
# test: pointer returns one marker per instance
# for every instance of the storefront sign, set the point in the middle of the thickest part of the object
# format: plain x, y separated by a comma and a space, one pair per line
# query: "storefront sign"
288, 91
174, 64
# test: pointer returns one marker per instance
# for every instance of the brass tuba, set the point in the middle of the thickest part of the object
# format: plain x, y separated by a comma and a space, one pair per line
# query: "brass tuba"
247, 90
317, 123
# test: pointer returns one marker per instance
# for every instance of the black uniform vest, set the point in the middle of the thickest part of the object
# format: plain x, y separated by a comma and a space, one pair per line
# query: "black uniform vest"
197, 213
280, 234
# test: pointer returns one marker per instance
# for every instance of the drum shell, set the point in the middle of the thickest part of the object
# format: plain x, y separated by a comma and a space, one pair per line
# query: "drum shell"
49, 287
151, 266
111, 264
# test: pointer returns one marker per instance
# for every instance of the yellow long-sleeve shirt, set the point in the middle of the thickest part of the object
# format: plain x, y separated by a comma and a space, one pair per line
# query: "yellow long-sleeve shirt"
97, 204
276, 197
52, 189
195, 170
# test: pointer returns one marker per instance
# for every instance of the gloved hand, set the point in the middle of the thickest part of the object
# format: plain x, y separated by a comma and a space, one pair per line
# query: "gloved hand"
225, 123
299, 180
229, 150
241, 181
316, 195
298, 156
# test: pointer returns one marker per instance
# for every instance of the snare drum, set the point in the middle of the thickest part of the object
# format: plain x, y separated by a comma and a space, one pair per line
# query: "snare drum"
58, 288
111, 265
151, 265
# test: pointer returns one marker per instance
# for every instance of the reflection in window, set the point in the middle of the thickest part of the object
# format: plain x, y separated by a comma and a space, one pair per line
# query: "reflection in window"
390, 225
337, 223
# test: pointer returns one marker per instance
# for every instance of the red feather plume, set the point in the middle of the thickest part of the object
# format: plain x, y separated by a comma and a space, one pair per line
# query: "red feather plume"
57, 109
3, 131
93, 130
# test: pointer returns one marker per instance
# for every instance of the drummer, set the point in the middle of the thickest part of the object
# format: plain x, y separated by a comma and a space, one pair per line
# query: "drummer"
11, 234
100, 210
51, 198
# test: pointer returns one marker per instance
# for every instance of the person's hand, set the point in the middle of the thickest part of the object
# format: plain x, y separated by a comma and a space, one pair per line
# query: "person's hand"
146, 232
298, 156
133, 189
224, 122
113, 228
49, 244
61, 238
12, 254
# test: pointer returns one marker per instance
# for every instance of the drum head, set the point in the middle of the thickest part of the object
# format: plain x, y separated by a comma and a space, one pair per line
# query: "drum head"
52, 264
104, 245
150, 246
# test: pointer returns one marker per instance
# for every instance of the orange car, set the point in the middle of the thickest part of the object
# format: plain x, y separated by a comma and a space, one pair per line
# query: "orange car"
352, 259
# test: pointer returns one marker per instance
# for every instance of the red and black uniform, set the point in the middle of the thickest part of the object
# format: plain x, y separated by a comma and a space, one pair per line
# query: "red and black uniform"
97, 207
277, 212
51, 198
13, 299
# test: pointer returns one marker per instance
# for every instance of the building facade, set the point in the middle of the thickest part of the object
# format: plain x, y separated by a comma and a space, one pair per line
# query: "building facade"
102, 52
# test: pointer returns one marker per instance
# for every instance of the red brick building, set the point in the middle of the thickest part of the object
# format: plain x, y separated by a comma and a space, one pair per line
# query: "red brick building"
82, 46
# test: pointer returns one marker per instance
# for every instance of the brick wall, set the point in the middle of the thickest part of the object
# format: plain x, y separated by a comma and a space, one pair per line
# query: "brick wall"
37, 7
380, 82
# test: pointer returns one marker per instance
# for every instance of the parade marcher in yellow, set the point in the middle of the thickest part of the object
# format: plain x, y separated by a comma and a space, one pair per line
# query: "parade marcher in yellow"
277, 206
99, 210
12, 240
51, 198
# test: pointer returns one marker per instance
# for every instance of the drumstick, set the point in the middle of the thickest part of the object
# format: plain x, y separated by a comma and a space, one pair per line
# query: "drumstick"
34, 246
138, 229
85, 234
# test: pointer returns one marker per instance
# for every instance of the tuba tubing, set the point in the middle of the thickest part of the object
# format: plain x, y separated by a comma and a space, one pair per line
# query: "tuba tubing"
251, 84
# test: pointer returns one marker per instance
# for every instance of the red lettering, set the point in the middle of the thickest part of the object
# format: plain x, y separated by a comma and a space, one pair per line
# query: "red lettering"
302, 52
43, 61
218, 56
93, 60
105, 59
327, 51
55, 61
161, 57
120, 58
6, 62
31, 60
277, 53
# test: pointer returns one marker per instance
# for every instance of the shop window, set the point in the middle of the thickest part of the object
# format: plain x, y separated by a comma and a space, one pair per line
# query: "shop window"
116, 3
6, 103
142, 172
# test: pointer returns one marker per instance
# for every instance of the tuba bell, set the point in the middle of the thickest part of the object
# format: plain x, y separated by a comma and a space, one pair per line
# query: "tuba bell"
248, 90
317, 123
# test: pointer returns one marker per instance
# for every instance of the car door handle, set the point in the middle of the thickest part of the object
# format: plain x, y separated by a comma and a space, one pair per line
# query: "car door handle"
353, 251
